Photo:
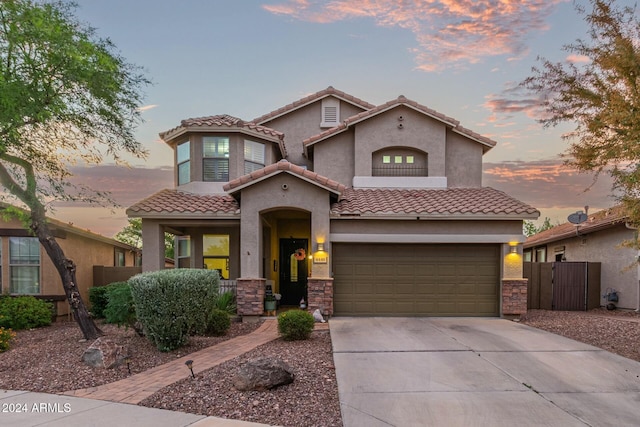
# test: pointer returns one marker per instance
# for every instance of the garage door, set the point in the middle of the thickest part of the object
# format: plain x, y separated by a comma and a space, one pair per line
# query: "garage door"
415, 280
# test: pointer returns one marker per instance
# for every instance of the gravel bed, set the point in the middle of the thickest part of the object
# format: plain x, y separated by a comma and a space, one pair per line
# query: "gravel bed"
616, 331
48, 359
311, 400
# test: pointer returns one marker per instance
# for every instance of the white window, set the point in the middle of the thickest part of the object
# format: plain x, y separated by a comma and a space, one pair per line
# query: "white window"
24, 265
253, 156
183, 161
330, 113
215, 158
183, 244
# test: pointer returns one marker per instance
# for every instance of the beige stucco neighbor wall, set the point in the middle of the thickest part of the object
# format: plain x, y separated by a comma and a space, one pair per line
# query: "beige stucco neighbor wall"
620, 268
282, 191
85, 253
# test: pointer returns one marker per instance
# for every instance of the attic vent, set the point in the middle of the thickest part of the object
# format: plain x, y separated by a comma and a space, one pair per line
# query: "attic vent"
330, 112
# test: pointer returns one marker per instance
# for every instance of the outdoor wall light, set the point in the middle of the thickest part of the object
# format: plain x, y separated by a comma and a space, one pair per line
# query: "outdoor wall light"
514, 249
189, 364
320, 247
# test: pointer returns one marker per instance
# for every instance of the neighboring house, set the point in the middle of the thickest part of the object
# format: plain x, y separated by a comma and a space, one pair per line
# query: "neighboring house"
598, 239
355, 208
27, 270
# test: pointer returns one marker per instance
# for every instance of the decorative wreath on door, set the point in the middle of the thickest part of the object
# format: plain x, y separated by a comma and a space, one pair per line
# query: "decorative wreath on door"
300, 254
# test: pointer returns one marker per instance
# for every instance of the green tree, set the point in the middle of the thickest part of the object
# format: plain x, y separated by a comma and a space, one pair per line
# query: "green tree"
529, 227
131, 234
601, 96
66, 97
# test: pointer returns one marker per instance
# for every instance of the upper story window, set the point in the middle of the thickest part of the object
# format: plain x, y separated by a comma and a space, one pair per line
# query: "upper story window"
215, 158
399, 162
183, 162
253, 156
330, 113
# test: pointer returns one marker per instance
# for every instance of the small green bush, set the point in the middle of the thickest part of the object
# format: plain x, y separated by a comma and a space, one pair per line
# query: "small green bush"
98, 299
6, 335
218, 323
24, 312
120, 307
295, 325
226, 301
173, 304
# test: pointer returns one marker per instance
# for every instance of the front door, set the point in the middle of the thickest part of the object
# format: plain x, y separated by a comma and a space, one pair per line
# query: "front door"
293, 271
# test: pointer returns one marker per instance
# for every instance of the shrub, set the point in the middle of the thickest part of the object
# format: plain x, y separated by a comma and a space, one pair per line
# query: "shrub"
120, 307
218, 323
173, 304
6, 335
226, 302
98, 299
295, 325
24, 312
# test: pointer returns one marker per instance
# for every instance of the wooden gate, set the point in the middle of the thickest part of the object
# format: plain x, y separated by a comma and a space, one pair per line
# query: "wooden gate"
563, 285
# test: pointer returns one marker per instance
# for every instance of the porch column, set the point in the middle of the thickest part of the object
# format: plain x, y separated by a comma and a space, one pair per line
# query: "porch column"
320, 295
250, 297
153, 244
320, 234
250, 237
514, 297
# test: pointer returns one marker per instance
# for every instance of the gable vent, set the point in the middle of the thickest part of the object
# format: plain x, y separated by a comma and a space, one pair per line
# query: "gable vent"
330, 112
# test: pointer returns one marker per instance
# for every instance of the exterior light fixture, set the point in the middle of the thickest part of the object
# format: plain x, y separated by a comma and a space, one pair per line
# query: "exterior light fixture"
514, 249
189, 364
320, 247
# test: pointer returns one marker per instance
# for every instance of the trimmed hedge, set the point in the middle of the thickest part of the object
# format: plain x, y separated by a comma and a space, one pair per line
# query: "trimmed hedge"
24, 312
173, 304
218, 323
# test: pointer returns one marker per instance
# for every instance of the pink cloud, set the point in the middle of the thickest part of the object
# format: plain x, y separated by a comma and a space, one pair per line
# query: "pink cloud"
447, 32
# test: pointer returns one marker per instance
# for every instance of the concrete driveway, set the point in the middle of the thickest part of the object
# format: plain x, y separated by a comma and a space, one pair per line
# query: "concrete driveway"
477, 372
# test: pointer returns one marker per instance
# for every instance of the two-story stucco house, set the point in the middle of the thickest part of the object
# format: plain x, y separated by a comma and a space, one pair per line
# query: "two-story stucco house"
357, 209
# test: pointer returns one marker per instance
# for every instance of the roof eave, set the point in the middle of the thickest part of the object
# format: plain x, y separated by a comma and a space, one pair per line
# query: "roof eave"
218, 129
427, 216
240, 187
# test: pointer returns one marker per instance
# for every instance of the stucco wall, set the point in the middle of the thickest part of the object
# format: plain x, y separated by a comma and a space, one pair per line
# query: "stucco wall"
463, 161
268, 195
418, 131
84, 251
620, 268
426, 227
304, 123
335, 158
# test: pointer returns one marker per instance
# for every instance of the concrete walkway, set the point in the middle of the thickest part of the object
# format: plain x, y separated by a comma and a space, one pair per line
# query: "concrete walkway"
136, 388
477, 372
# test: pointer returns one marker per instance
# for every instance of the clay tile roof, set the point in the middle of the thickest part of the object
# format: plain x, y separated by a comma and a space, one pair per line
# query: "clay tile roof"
311, 98
602, 219
283, 165
431, 202
178, 202
226, 121
401, 100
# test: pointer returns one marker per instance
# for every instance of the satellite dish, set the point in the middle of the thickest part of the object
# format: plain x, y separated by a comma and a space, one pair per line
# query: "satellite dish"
577, 218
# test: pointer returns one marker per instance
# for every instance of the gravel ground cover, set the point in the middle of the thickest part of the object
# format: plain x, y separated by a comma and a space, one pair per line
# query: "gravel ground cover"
616, 331
48, 360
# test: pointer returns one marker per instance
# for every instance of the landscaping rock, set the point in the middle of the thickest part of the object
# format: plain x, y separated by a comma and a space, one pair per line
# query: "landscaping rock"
103, 353
263, 374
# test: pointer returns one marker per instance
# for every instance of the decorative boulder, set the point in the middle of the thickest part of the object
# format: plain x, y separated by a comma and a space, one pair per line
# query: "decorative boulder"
103, 353
263, 374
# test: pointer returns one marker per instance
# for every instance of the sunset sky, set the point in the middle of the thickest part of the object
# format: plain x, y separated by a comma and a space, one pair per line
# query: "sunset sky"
245, 58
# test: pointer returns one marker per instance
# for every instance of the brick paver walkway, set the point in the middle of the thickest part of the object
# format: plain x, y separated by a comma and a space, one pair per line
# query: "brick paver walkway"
138, 387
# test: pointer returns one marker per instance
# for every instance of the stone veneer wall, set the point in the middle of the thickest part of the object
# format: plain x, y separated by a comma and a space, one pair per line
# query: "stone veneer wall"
514, 296
320, 295
250, 297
